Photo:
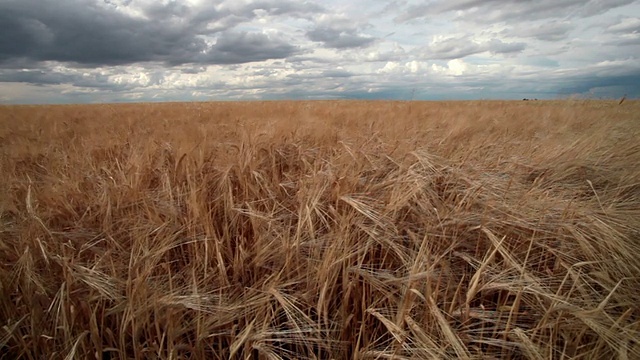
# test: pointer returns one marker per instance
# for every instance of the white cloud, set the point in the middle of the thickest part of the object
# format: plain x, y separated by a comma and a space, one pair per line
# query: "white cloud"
457, 67
628, 25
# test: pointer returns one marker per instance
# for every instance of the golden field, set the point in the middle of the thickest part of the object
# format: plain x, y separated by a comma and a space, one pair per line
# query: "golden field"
321, 230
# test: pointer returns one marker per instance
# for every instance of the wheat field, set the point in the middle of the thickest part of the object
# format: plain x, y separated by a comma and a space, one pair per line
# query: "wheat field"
321, 230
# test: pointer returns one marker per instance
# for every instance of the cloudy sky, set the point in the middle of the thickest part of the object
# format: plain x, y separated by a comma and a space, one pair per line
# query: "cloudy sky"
77, 51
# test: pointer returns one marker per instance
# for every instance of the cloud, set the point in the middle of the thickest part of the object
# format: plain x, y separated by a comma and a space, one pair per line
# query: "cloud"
36, 77
290, 8
124, 50
627, 25
338, 33
597, 85
547, 31
486, 11
102, 79
337, 38
243, 47
171, 33
337, 73
463, 46
47, 31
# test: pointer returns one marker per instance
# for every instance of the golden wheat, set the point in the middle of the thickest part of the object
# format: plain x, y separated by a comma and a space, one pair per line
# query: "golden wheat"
321, 230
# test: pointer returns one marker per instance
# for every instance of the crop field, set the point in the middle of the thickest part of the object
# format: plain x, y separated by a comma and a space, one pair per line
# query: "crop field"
321, 230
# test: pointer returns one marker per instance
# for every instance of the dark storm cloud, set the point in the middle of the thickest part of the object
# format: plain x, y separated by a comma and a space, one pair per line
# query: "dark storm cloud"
48, 77
338, 39
511, 10
338, 33
87, 33
460, 47
243, 47
618, 84
36, 77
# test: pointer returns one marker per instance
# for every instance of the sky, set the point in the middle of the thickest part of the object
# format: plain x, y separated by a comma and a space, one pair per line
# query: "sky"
88, 51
